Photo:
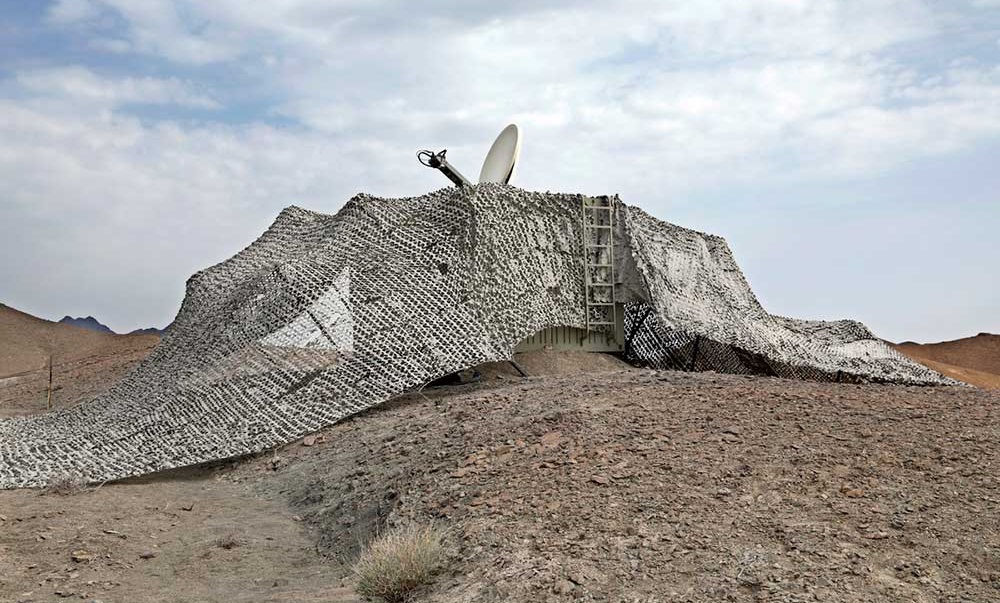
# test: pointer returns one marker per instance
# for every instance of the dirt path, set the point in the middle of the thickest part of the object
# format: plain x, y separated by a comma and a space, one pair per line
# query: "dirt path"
188, 536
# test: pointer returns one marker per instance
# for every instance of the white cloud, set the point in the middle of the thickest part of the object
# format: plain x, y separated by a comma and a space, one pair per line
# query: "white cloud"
66, 12
78, 84
179, 31
109, 214
654, 100
115, 45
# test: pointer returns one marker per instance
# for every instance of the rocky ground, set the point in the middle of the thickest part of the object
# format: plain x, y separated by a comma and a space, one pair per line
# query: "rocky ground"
626, 485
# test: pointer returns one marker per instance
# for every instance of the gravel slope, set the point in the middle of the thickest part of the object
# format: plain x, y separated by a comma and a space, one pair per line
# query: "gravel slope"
629, 485
641, 486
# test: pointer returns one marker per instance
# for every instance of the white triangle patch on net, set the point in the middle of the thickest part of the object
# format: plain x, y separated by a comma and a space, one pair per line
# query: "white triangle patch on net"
327, 324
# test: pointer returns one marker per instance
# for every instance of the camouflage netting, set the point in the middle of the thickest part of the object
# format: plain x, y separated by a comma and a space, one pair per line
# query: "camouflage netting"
325, 316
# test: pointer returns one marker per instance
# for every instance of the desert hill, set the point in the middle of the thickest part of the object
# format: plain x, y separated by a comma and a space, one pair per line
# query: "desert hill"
150, 331
615, 485
86, 323
974, 360
85, 362
589, 480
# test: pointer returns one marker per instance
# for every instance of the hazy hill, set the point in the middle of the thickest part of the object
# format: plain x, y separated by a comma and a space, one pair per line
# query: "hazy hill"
975, 360
84, 361
86, 323
150, 331
27, 341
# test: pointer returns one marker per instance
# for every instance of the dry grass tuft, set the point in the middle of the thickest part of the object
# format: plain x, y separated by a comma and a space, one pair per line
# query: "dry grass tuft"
399, 561
229, 541
65, 486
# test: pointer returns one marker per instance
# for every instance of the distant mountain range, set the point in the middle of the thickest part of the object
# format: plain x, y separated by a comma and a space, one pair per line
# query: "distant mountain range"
86, 323
93, 324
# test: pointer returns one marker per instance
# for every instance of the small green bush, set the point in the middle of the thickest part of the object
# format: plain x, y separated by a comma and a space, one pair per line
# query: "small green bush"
400, 560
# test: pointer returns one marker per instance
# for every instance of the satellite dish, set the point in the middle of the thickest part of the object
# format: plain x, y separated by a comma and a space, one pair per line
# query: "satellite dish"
498, 166
502, 159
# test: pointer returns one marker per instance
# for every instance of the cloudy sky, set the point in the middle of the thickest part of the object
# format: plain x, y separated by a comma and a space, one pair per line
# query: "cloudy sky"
849, 151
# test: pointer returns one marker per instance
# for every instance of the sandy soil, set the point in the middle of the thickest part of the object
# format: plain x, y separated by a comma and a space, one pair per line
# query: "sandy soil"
614, 486
182, 536
972, 377
974, 360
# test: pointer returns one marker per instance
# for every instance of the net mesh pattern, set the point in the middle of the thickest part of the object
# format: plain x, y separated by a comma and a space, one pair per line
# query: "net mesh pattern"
327, 315
700, 314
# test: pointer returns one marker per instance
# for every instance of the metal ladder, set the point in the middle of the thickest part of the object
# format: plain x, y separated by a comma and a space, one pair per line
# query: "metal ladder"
599, 263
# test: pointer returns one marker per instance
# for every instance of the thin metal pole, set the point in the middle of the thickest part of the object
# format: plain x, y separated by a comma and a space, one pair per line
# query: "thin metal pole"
586, 268
48, 401
639, 322
518, 367
694, 353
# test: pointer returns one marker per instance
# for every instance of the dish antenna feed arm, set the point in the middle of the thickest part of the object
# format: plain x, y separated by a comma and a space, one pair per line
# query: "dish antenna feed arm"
497, 167
438, 161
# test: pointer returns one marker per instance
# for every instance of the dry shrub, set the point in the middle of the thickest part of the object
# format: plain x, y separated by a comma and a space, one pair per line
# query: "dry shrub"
400, 560
64, 486
229, 541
